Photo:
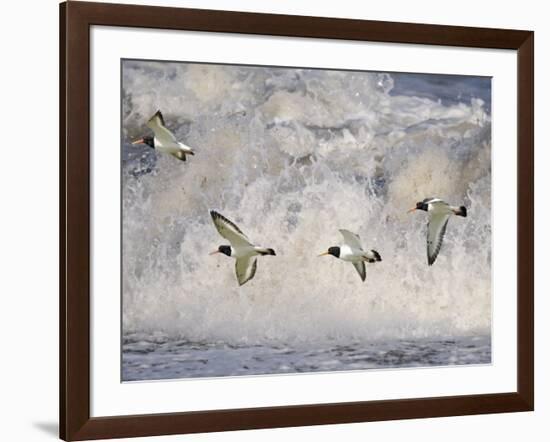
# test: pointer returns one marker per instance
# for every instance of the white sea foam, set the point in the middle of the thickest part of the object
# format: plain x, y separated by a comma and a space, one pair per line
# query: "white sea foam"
292, 156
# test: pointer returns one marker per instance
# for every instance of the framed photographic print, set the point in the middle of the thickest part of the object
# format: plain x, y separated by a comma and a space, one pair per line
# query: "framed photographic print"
273, 221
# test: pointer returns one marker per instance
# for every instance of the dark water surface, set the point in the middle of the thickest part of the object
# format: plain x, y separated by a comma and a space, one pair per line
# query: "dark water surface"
158, 358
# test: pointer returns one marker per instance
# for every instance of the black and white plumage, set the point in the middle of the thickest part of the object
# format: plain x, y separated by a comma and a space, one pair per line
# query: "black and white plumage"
241, 248
351, 251
164, 140
439, 213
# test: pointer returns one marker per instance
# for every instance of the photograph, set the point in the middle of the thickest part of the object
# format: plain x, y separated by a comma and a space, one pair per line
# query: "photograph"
285, 219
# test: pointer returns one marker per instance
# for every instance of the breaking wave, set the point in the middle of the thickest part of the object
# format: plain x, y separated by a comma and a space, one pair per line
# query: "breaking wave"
293, 155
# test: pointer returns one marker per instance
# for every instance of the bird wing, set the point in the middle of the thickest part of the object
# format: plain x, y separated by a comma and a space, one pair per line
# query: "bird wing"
360, 267
351, 239
245, 269
164, 136
436, 231
229, 230
180, 155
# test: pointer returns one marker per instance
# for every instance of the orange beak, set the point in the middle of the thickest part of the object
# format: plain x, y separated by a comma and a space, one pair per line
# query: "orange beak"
323, 254
214, 252
411, 210
140, 141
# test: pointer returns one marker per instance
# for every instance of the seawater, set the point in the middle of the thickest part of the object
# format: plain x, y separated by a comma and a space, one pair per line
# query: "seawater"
291, 156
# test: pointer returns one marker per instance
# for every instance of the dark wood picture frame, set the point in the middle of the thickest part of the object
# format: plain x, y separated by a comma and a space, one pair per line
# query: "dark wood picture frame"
75, 21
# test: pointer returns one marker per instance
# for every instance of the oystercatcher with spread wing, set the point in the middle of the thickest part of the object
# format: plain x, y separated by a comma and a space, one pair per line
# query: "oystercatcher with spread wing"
241, 248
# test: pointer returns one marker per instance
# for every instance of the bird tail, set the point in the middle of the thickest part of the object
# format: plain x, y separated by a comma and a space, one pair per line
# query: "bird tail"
376, 255
186, 150
460, 211
264, 252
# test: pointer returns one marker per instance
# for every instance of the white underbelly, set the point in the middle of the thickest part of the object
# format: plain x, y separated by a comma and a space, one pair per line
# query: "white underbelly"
439, 209
351, 255
243, 252
171, 148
